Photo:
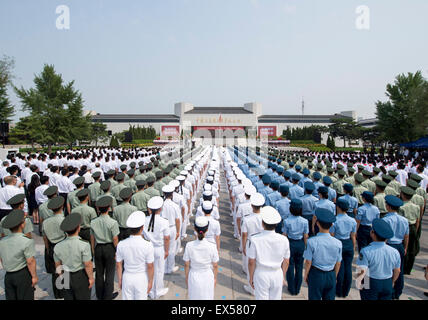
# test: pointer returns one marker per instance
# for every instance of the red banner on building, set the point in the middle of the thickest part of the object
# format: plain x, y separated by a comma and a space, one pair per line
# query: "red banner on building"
170, 131
267, 131
217, 128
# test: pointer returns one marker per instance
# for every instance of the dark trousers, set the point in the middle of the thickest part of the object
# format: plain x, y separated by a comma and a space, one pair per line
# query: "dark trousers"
409, 260
351, 214
344, 277
4, 213
50, 268
399, 284
309, 218
85, 234
363, 236
17, 285
278, 228
321, 284
295, 269
379, 290
65, 195
123, 233
79, 286
104, 276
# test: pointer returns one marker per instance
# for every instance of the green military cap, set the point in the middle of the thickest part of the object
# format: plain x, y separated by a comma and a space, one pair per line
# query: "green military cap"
56, 203
79, 181
111, 172
392, 173
105, 201
96, 175
105, 185
123, 167
351, 170
416, 177
82, 193
359, 178
350, 164
14, 219
149, 166
366, 173
330, 169
120, 176
360, 166
16, 199
310, 165
407, 191
150, 179
381, 183
140, 183
376, 169
412, 184
168, 168
51, 191
320, 166
71, 222
341, 172
125, 193
339, 166
159, 174
132, 164
155, 163
131, 172
140, 164
387, 178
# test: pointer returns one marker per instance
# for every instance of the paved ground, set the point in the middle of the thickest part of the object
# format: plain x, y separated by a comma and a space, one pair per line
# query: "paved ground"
231, 279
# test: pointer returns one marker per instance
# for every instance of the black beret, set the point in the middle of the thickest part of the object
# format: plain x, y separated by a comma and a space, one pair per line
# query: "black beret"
71, 222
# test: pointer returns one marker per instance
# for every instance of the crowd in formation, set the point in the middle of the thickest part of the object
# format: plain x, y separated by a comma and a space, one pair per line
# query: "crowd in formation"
298, 216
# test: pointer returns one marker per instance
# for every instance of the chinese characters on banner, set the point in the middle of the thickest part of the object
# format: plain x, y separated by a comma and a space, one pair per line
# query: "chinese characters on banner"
170, 131
267, 131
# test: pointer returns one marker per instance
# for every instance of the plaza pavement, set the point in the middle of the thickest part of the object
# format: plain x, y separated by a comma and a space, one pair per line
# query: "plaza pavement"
231, 279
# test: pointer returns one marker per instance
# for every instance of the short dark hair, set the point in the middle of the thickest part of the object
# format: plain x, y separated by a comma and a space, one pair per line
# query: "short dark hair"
134, 231
72, 231
296, 212
103, 209
269, 227
325, 225
379, 238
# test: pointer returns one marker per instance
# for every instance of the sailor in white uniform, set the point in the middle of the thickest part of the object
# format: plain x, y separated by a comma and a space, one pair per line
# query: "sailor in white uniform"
182, 190
251, 225
137, 256
214, 230
268, 257
244, 209
201, 264
171, 212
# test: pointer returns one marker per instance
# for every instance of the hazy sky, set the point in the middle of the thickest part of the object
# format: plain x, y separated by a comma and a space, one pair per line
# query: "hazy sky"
142, 56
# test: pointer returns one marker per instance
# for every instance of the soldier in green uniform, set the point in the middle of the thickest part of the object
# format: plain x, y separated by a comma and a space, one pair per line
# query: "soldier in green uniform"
367, 183
115, 191
105, 188
72, 200
389, 190
351, 177
123, 211
379, 199
87, 213
158, 185
74, 255
104, 240
110, 177
17, 202
142, 168
338, 185
420, 202
419, 191
359, 188
412, 212
330, 173
376, 177
124, 169
52, 235
17, 256
95, 188
167, 178
140, 198
130, 183
394, 183
151, 191
44, 211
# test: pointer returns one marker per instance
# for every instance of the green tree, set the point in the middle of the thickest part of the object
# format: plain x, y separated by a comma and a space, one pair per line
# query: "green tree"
25, 131
398, 117
56, 108
98, 132
7, 110
114, 142
344, 128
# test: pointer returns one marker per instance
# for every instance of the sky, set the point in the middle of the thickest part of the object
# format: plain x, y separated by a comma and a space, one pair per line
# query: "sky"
142, 56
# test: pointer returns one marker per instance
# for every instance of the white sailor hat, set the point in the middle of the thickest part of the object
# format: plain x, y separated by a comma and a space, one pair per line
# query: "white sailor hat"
168, 188
211, 172
174, 183
207, 205
210, 178
246, 182
207, 193
184, 173
270, 215
201, 222
257, 199
240, 176
208, 187
181, 178
136, 219
188, 168
155, 203
250, 190
233, 164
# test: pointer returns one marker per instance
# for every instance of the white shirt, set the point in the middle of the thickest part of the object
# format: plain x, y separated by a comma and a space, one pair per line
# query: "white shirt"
136, 253
40, 197
214, 213
64, 185
201, 254
8, 192
170, 211
160, 230
252, 224
402, 177
269, 249
213, 231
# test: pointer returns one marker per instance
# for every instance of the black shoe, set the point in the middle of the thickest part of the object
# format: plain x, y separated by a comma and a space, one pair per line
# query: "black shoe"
114, 296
